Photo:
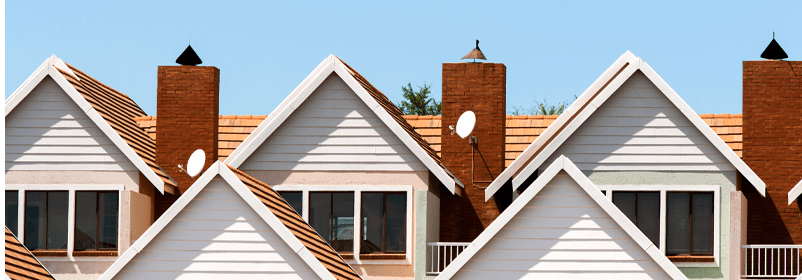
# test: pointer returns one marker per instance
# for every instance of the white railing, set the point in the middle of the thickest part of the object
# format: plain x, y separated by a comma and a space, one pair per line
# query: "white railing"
771, 261
440, 254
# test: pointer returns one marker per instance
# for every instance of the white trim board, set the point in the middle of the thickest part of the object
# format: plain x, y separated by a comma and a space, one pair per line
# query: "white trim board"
593, 98
329, 66
562, 164
48, 68
219, 169
794, 193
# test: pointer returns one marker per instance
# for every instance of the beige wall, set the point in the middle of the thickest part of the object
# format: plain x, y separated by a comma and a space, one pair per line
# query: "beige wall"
418, 179
129, 179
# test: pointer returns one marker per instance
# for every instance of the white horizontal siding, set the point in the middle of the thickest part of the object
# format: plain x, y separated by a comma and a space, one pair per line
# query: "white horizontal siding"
217, 236
333, 130
639, 129
561, 234
48, 131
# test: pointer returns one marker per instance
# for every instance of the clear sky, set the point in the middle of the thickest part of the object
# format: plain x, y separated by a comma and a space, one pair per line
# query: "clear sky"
552, 49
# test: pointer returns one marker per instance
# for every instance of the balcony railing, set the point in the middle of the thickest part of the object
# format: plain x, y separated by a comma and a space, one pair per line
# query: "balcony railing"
441, 254
771, 261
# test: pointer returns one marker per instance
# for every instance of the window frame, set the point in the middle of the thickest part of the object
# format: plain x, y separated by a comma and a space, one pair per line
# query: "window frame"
664, 190
690, 223
97, 222
71, 190
358, 190
384, 225
637, 194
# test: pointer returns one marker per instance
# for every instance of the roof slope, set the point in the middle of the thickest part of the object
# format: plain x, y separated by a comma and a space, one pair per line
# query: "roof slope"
279, 216
20, 263
527, 202
587, 103
795, 192
116, 113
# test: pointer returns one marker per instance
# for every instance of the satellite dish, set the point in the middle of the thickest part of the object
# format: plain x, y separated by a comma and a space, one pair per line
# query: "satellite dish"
196, 162
465, 124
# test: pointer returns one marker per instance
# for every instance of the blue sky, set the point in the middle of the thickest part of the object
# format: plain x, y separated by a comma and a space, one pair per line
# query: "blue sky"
552, 49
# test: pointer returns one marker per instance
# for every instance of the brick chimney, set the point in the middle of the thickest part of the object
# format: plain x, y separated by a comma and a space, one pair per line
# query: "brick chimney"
187, 118
481, 88
772, 147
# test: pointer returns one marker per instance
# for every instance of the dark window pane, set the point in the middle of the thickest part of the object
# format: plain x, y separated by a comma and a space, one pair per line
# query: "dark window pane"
626, 202
320, 214
57, 206
677, 223
295, 200
85, 221
107, 220
342, 223
372, 223
396, 223
12, 208
702, 223
649, 215
35, 220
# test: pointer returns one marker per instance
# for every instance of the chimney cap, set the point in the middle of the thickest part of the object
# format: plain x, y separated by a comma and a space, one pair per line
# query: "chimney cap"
188, 57
774, 51
475, 54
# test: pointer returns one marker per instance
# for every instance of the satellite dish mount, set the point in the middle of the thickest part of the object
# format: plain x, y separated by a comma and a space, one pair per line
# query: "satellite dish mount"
195, 163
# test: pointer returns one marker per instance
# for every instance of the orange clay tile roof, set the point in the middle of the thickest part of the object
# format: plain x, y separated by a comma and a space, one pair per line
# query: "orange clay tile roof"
20, 263
119, 111
302, 230
521, 131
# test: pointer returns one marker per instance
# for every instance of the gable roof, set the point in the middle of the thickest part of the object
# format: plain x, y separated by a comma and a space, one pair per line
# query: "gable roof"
279, 216
112, 111
20, 263
587, 103
390, 115
795, 192
562, 164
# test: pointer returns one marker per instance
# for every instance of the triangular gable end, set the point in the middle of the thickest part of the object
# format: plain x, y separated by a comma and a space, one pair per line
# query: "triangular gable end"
333, 65
49, 68
274, 227
640, 249
593, 98
795, 192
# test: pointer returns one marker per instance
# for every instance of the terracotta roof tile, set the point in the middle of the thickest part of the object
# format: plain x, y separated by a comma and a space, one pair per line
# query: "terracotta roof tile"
302, 230
20, 263
120, 112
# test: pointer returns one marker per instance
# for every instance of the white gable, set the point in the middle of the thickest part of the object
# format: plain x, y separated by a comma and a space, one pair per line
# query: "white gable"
333, 130
795, 192
217, 236
639, 129
48, 131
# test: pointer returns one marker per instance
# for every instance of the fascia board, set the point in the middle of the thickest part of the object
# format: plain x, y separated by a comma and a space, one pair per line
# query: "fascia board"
274, 223
28, 85
388, 120
530, 150
107, 129
795, 192
162, 222
281, 113
573, 126
708, 132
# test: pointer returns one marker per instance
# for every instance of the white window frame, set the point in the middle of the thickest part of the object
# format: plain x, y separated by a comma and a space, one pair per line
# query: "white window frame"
664, 189
358, 190
71, 189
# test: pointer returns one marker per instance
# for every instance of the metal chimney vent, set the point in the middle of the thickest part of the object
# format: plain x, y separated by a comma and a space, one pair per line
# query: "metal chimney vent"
475, 54
774, 51
188, 57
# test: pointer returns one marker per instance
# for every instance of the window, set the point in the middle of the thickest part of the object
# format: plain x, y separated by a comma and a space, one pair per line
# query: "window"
689, 223
295, 200
95, 220
331, 214
643, 209
12, 206
383, 223
46, 220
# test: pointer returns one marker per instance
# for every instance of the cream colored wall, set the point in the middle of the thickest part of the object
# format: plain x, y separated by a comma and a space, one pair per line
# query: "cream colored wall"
418, 180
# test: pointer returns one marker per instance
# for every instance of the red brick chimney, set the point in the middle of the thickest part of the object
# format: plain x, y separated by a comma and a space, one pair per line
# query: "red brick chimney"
772, 147
481, 88
187, 112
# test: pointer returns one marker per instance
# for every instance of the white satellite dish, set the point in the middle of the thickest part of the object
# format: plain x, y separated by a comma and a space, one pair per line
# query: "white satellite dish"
196, 162
465, 124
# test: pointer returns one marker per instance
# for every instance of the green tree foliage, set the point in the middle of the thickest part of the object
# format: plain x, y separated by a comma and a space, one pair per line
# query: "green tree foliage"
542, 108
419, 102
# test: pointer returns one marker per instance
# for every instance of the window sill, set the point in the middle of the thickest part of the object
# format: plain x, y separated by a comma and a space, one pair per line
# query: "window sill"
49, 253
692, 259
94, 253
383, 256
